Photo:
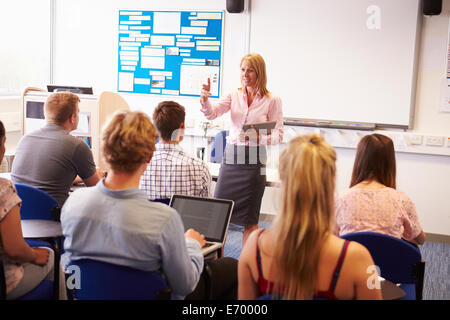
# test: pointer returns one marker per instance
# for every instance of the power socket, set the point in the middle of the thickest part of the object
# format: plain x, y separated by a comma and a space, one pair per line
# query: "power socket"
434, 141
415, 139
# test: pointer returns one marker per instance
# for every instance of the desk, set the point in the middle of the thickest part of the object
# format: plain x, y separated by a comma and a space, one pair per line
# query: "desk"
41, 229
272, 178
44, 229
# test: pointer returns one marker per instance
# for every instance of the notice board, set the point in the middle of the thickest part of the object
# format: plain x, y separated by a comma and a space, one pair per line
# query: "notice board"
169, 52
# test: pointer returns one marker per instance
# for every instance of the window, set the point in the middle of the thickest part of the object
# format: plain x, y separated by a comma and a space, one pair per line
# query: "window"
25, 45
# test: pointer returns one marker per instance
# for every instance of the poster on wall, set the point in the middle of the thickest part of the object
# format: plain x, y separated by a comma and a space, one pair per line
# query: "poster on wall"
169, 52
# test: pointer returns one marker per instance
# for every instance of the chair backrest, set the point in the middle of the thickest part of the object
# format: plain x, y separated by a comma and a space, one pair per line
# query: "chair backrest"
398, 260
106, 281
218, 146
36, 204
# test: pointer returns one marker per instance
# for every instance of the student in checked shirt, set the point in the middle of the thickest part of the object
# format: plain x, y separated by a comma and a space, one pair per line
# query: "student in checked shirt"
171, 170
251, 103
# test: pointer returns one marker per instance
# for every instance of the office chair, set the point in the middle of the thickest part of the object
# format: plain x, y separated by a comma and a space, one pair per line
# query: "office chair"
218, 146
106, 281
44, 291
398, 260
39, 205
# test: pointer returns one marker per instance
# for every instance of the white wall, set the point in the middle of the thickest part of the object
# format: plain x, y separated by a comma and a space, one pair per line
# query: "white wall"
85, 54
87, 40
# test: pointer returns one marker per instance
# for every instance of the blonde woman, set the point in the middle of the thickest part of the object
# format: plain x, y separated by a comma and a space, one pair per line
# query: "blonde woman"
299, 257
241, 178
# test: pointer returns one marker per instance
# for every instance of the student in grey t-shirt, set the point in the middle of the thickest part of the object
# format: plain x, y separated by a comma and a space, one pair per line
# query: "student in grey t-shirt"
50, 158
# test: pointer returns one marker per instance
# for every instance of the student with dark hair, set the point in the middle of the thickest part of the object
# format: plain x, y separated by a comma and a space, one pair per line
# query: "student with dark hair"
171, 170
372, 204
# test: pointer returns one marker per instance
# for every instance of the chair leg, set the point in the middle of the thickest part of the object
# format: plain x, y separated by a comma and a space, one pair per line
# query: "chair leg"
208, 280
419, 270
57, 249
2, 282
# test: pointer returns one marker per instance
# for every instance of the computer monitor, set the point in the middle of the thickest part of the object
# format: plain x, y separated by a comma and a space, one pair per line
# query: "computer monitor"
34, 116
80, 90
84, 125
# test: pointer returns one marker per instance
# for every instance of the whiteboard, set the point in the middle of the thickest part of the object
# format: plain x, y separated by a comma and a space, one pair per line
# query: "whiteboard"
349, 60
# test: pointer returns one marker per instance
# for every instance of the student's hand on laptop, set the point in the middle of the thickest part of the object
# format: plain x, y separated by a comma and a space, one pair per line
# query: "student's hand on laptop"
191, 233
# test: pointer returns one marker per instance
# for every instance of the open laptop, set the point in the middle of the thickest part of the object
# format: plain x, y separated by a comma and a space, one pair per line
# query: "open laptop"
209, 216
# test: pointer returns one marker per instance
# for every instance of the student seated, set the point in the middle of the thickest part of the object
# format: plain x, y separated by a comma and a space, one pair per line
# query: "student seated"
24, 267
50, 158
114, 222
372, 204
298, 257
171, 170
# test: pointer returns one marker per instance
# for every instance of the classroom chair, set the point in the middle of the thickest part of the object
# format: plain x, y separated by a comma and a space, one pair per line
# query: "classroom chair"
106, 281
398, 260
44, 291
218, 146
37, 204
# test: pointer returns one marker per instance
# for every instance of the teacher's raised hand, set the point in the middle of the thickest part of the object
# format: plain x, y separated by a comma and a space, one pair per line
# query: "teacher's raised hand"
206, 88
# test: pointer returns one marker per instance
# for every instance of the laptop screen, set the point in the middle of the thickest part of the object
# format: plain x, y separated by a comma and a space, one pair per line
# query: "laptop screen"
207, 216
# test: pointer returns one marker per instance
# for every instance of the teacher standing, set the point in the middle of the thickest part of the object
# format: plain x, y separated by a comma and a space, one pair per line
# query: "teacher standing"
242, 173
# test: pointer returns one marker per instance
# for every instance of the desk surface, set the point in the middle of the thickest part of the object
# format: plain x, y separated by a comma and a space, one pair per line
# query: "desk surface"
271, 174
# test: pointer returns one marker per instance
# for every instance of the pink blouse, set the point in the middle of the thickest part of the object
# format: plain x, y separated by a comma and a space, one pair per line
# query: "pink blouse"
262, 109
384, 210
9, 199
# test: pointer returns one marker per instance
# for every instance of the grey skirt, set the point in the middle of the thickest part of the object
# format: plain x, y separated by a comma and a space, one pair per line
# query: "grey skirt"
242, 179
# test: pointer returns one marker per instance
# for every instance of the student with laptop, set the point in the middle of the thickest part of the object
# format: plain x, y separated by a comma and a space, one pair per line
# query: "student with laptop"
245, 181
114, 222
171, 169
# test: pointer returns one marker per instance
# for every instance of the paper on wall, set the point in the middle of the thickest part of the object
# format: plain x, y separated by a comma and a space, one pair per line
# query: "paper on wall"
192, 77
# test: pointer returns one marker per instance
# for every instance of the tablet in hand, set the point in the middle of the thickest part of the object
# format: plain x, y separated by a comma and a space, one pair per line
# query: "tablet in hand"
260, 126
